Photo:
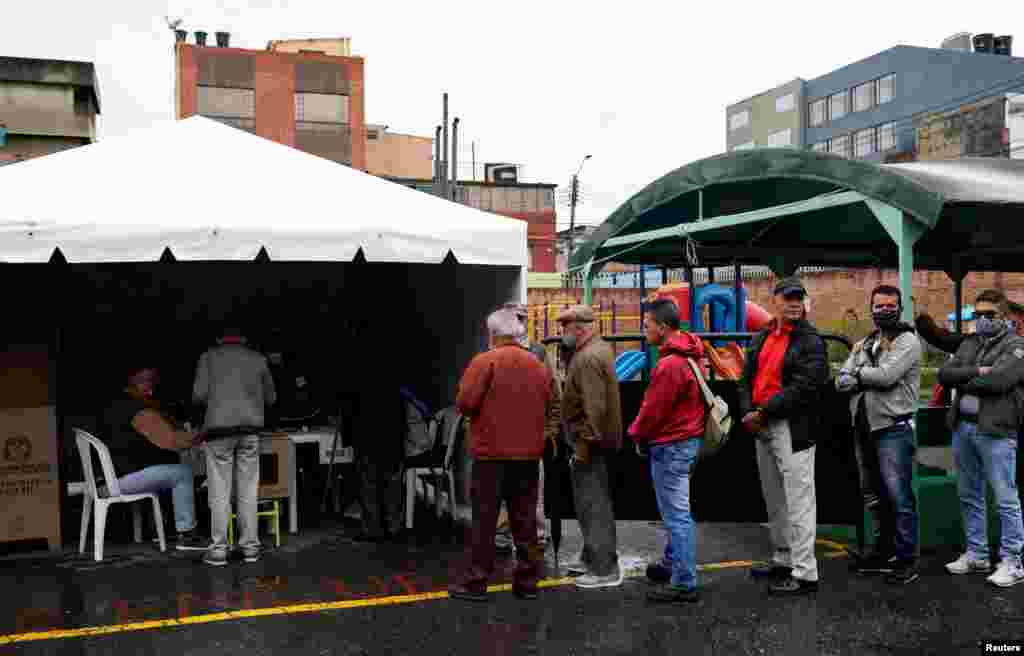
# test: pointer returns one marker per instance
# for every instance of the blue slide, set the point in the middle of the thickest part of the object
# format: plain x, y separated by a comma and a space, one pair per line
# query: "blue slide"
629, 364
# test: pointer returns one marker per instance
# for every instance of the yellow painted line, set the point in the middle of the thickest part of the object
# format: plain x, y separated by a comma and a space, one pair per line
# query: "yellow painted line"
295, 609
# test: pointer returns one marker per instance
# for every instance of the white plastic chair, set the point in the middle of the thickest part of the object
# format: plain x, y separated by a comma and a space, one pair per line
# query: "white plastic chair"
444, 428
93, 501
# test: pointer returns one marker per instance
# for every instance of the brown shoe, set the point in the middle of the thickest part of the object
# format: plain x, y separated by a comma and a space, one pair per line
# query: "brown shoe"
466, 594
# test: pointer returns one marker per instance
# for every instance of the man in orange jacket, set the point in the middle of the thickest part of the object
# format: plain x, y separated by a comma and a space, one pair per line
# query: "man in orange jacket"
506, 394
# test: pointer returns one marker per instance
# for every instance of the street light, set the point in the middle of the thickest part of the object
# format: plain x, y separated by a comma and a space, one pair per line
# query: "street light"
573, 199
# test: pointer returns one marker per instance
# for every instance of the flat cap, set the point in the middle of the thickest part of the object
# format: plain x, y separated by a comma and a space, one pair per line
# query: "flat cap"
789, 285
582, 313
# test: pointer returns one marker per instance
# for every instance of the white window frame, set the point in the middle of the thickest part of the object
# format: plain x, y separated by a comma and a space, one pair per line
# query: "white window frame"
840, 145
820, 147
735, 122
776, 140
845, 96
872, 96
878, 93
823, 103
886, 130
785, 103
864, 142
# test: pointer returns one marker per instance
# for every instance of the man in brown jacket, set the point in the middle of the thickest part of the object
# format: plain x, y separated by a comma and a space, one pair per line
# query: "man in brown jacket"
506, 394
592, 411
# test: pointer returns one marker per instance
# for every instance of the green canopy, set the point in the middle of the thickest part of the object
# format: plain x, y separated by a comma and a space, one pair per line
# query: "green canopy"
804, 208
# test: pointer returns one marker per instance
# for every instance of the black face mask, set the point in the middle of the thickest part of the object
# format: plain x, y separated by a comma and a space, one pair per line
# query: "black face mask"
887, 319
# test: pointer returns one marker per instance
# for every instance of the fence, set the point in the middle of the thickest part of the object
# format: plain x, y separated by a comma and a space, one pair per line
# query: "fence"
612, 319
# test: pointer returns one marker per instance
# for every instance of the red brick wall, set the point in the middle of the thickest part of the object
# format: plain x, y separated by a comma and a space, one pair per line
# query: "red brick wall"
275, 86
833, 294
540, 236
188, 77
275, 98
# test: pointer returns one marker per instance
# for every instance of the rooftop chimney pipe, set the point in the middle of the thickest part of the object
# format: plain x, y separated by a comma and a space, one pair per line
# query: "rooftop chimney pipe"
437, 160
444, 164
223, 39
200, 38
455, 158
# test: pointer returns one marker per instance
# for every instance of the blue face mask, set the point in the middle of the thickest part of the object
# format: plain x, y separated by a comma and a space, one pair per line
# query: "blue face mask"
989, 327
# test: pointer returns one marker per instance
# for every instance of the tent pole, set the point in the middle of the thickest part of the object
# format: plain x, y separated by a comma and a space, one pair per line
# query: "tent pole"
737, 273
588, 282
958, 294
905, 231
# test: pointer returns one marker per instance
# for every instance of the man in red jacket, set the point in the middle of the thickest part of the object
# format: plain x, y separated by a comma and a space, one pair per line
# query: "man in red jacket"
506, 394
670, 426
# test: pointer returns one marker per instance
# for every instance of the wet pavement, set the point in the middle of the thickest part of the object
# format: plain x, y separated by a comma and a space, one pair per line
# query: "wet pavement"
322, 593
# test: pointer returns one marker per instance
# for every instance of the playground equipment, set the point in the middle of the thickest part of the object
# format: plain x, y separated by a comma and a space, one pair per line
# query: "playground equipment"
720, 302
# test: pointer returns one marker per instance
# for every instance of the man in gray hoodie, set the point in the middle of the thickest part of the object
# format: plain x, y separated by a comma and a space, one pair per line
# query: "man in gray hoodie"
235, 383
883, 373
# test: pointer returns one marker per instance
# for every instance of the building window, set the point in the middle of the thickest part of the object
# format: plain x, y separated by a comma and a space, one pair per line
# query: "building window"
886, 136
739, 120
838, 105
840, 145
864, 96
549, 199
220, 102
744, 146
781, 139
321, 112
820, 147
785, 103
817, 112
886, 88
864, 142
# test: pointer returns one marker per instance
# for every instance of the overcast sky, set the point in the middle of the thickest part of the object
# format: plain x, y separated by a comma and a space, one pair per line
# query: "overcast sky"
642, 86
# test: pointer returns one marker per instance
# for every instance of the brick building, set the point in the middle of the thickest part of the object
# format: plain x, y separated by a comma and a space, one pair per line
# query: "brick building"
307, 94
526, 201
46, 106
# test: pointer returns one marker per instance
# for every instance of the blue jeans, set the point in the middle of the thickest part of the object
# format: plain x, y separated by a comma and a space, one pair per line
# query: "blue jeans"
980, 457
896, 470
176, 478
670, 470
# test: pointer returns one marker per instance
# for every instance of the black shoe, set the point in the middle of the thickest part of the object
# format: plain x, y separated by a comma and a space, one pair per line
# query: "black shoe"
671, 594
902, 574
528, 595
190, 541
876, 564
770, 571
793, 587
465, 594
658, 573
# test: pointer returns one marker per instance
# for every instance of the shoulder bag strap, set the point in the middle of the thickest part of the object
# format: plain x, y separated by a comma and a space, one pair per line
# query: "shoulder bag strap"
704, 389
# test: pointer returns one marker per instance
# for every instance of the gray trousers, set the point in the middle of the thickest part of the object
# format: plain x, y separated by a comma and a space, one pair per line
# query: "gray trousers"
787, 481
592, 496
233, 463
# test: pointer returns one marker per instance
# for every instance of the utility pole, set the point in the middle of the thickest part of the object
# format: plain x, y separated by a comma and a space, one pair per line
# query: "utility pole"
574, 188
574, 197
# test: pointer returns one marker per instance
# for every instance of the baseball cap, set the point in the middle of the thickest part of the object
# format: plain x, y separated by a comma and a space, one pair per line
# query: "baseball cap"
790, 285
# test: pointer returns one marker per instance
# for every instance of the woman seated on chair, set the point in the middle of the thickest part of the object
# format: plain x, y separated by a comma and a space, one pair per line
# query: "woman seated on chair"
145, 443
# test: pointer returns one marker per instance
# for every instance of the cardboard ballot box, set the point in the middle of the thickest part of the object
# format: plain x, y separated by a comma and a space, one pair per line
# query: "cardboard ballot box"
29, 480
276, 462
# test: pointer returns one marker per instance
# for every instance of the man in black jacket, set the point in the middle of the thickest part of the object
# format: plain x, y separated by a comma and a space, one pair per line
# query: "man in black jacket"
985, 415
784, 377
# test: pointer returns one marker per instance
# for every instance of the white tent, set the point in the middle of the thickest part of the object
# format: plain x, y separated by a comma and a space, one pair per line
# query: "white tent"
208, 192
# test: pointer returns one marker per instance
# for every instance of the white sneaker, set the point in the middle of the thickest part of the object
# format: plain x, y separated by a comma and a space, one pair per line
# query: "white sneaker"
1008, 573
967, 565
576, 567
590, 581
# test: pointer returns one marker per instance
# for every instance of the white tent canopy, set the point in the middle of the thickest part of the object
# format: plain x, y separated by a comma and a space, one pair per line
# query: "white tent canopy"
207, 191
